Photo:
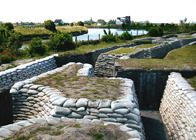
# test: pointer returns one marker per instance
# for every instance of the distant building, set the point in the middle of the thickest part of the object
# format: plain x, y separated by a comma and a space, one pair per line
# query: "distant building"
18, 23
126, 20
57, 21
118, 22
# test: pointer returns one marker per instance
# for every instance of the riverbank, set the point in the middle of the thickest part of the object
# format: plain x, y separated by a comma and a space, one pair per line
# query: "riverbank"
43, 33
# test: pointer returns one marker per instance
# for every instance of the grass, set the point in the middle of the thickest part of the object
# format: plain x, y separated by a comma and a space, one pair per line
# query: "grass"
102, 45
183, 58
132, 50
75, 125
146, 46
96, 135
73, 86
185, 36
42, 31
192, 81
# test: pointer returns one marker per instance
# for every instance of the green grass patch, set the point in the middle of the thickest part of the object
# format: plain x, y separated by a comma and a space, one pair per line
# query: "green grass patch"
146, 46
75, 125
132, 50
87, 48
183, 58
192, 81
96, 135
42, 31
185, 36
124, 50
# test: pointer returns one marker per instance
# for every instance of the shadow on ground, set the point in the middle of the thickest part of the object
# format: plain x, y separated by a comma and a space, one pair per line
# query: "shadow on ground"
154, 128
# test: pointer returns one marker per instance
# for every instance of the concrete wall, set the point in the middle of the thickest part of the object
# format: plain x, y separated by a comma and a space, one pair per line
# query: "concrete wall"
25, 71
178, 108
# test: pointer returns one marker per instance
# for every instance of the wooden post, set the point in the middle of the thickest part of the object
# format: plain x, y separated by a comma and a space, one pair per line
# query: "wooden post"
137, 32
143, 32
99, 37
16, 49
131, 32
88, 39
76, 39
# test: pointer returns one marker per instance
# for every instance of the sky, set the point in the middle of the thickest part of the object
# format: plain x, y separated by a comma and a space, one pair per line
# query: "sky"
155, 11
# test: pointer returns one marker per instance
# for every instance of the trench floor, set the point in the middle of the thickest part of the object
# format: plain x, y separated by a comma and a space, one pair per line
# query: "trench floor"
153, 125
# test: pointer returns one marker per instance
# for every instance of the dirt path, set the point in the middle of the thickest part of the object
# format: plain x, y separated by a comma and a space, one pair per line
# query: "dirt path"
153, 125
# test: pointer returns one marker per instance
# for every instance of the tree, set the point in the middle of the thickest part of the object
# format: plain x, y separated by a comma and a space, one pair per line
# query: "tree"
155, 31
8, 26
36, 47
112, 21
60, 24
183, 25
71, 24
13, 42
1, 23
49, 25
80, 23
61, 42
101, 21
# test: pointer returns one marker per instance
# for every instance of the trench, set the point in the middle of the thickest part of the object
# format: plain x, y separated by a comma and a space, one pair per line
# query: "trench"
149, 87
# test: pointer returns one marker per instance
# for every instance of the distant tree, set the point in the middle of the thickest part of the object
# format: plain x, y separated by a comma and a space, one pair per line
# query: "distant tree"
8, 26
80, 23
101, 21
49, 25
60, 24
112, 21
1, 23
155, 31
71, 24
183, 25
36, 47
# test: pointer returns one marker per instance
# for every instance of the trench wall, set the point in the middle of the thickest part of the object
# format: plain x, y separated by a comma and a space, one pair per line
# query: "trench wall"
5, 107
36, 101
90, 57
150, 84
25, 71
104, 65
178, 108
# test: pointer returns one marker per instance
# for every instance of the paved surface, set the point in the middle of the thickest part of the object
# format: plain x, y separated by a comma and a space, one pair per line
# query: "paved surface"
154, 128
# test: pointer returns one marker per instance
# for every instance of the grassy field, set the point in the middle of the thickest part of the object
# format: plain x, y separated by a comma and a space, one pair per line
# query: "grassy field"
87, 48
42, 31
185, 36
183, 58
131, 50
73, 86
192, 81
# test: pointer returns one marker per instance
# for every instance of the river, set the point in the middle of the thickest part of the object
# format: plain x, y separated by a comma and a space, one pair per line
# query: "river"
94, 34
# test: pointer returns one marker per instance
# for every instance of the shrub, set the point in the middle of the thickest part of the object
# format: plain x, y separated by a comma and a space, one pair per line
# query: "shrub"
8, 26
36, 47
71, 24
80, 23
61, 42
109, 38
14, 42
6, 57
49, 24
126, 36
155, 31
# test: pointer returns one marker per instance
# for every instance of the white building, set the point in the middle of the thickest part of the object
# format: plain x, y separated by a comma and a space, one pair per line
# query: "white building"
118, 22
57, 21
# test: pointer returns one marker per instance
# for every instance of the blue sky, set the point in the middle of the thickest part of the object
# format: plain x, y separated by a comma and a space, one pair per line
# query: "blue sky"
155, 11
